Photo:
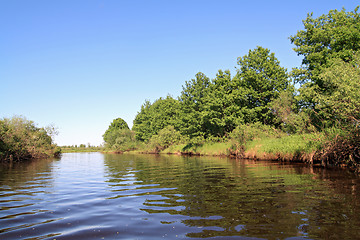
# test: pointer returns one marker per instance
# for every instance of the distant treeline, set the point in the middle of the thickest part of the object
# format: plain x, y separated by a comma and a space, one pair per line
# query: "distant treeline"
264, 100
21, 139
81, 148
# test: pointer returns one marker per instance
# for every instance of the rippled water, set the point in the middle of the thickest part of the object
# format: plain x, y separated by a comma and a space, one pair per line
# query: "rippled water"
99, 196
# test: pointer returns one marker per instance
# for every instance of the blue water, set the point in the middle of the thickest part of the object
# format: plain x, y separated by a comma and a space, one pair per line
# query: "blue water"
108, 196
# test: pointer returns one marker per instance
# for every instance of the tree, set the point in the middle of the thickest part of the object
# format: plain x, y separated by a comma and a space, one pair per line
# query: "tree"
155, 116
342, 102
335, 35
222, 105
111, 133
259, 80
193, 119
289, 117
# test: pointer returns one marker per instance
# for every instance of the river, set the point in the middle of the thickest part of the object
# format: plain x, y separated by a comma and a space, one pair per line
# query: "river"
109, 196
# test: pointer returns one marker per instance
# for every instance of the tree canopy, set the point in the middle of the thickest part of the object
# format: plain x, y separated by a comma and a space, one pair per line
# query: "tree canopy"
332, 35
260, 79
328, 39
155, 116
115, 127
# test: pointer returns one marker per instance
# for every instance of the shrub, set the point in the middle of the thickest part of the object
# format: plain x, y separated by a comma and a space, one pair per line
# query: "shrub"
123, 140
21, 139
165, 138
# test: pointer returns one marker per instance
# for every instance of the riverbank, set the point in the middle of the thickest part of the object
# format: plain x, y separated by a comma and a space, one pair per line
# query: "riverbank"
305, 148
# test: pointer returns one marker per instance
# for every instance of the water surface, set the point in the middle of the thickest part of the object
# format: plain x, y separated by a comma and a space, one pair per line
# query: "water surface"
105, 196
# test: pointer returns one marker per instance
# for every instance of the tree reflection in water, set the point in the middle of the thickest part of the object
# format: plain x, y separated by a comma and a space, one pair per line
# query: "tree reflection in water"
228, 197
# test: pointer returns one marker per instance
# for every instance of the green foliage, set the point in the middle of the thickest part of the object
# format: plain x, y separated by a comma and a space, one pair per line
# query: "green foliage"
288, 117
156, 116
250, 132
194, 119
259, 105
342, 102
111, 134
335, 35
224, 104
332, 35
165, 138
21, 139
259, 80
124, 140
291, 144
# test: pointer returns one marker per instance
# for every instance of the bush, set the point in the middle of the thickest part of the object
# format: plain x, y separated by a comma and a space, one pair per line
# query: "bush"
165, 138
250, 132
244, 133
21, 139
123, 140
111, 134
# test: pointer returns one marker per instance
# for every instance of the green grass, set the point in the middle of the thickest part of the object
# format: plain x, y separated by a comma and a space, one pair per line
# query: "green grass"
286, 146
292, 144
205, 149
174, 149
214, 148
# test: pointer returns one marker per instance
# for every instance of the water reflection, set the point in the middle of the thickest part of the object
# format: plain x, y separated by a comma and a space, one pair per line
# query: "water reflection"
223, 197
22, 186
96, 196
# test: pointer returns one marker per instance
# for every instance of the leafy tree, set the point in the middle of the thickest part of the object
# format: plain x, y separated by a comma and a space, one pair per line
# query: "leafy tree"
334, 35
342, 102
194, 121
223, 108
258, 81
111, 133
289, 117
156, 116
341, 105
142, 122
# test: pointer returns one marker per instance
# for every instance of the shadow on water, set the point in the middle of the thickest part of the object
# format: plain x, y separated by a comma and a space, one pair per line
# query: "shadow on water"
227, 197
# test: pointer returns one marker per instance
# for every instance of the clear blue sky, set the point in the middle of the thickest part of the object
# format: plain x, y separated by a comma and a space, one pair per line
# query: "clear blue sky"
79, 64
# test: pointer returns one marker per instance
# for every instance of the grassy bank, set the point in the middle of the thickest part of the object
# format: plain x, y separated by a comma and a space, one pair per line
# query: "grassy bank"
331, 147
288, 148
307, 148
207, 149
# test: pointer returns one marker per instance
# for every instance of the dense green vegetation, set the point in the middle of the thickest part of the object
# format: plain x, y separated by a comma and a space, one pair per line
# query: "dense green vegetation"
21, 139
314, 110
118, 137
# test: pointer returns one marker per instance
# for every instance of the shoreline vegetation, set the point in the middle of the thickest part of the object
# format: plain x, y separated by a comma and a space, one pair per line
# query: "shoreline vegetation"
21, 139
310, 114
